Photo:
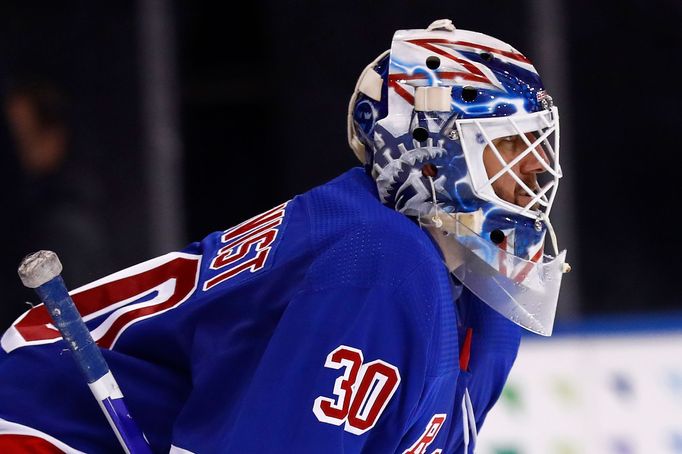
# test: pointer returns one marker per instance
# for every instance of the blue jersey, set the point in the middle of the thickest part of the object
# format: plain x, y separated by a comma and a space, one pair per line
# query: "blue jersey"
327, 324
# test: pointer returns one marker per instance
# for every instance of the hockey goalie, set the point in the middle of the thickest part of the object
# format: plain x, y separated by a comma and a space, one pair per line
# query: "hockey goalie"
378, 313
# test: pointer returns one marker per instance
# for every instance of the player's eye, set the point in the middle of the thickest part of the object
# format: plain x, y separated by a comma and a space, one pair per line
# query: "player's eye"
505, 142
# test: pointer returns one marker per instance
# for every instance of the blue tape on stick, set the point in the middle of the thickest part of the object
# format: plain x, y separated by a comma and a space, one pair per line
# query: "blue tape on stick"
69, 322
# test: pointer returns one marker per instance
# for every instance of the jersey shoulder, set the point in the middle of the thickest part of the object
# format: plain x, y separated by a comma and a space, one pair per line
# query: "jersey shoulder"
366, 242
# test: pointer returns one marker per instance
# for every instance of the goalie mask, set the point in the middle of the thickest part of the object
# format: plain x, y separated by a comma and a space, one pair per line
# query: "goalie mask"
459, 133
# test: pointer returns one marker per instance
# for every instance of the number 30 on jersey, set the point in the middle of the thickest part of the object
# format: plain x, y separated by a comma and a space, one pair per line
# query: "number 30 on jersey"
360, 394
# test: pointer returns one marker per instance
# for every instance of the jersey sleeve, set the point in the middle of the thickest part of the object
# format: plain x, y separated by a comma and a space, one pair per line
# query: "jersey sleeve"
44, 399
143, 318
345, 371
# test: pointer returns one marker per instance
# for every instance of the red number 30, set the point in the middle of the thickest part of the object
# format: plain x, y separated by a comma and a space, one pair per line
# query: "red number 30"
362, 392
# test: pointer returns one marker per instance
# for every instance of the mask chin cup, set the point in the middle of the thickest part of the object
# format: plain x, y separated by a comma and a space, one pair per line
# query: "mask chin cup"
523, 291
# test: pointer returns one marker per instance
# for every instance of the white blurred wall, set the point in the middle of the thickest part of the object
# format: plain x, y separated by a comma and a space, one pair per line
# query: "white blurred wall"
591, 393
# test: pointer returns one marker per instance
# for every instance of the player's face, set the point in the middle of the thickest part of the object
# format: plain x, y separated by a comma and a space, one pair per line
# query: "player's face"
526, 169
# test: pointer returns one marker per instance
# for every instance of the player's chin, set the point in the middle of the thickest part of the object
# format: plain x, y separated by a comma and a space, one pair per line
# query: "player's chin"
524, 200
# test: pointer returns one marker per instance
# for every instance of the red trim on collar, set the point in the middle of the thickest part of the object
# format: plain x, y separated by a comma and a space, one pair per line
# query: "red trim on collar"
465, 351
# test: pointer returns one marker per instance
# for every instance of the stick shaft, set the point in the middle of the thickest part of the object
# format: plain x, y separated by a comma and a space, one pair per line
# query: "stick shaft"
68, 321
92, 364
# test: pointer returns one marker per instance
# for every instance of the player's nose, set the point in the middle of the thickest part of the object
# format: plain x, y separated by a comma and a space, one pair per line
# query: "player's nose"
534, 162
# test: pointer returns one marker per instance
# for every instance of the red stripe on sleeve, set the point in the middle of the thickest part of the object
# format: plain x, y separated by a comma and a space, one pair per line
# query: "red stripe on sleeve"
26, 444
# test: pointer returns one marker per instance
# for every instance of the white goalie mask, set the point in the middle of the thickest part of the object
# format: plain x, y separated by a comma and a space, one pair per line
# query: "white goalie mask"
459, 133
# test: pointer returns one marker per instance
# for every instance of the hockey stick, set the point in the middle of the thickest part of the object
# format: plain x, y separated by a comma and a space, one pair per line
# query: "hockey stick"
41, 272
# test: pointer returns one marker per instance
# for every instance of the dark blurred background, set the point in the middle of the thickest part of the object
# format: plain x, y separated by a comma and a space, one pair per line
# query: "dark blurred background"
130, 128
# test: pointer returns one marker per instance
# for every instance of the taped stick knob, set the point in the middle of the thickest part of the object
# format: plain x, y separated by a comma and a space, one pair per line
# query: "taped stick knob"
39, 268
